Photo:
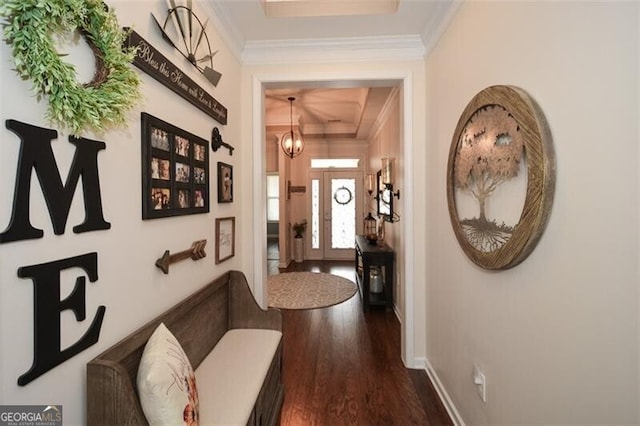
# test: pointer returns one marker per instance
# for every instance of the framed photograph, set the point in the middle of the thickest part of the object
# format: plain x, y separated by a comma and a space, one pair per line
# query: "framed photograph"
225, 183
225, 238
175, 170
500, 177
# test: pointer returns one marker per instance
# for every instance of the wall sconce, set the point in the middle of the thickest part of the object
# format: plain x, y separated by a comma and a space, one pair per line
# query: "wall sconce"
369, 180
387, 176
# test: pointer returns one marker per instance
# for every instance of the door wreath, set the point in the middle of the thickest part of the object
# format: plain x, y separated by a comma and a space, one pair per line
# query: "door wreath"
343, 196
104, 101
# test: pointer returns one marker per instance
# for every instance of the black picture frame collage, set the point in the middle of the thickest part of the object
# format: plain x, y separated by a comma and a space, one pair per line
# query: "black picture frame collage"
175, 170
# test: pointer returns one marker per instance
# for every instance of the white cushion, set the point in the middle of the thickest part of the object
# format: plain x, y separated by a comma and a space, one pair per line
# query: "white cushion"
230, 377
166, 381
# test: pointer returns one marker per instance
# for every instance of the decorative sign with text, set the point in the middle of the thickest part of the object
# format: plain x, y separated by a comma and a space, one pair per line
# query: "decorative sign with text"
299, 189
151, 61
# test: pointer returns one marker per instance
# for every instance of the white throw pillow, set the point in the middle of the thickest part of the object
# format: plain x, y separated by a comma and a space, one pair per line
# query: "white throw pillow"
166, 382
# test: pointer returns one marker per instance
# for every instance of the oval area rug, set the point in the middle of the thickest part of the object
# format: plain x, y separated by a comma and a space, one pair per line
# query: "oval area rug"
308, 290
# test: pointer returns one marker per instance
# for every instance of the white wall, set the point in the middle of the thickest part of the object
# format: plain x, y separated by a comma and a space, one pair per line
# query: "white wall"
129, 285
556, 336
387, 142
638, 230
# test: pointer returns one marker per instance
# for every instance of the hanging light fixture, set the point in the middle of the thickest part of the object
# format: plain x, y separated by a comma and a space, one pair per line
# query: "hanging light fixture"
291, 141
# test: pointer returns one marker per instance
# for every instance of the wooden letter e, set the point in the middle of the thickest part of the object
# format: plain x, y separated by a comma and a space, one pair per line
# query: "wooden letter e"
46, 312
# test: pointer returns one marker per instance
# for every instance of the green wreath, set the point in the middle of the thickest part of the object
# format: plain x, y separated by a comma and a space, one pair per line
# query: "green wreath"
104, 101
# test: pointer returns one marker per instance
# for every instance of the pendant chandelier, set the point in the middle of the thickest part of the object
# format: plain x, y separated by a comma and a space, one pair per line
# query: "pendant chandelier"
291, 141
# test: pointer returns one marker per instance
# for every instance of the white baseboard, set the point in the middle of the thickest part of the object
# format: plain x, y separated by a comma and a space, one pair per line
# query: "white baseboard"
420, 363
395, 310
284, 264
444, 396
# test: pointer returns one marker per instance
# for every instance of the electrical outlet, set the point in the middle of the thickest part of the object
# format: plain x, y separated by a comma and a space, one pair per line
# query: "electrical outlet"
480, 382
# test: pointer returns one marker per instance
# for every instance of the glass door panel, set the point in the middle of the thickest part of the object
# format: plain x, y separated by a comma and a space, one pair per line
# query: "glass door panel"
341, 193
343, 213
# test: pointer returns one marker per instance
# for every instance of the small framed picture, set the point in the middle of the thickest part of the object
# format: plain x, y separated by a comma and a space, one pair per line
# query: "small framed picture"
175, 170
182, 146
225, 238
225, 183
160, 198
159, 138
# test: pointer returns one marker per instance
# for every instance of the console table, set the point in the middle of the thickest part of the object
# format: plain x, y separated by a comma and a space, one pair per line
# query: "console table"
368, 255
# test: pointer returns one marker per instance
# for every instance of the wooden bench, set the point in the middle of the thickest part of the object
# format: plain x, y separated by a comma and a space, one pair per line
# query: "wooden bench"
198, 323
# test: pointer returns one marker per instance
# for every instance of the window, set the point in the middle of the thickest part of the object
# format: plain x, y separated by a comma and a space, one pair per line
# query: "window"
273, 200
315, 213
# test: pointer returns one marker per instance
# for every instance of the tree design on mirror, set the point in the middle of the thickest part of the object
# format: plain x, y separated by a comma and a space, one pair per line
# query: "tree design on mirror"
490, 153
500, 177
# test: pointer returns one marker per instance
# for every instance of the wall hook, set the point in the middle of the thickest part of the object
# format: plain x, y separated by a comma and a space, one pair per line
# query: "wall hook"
217, 142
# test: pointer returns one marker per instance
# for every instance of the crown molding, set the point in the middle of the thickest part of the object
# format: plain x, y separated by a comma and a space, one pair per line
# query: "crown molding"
392, 100
355, 49
229, 32
440, 20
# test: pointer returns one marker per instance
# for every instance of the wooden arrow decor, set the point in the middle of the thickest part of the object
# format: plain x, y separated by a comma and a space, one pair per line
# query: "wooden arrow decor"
196, 252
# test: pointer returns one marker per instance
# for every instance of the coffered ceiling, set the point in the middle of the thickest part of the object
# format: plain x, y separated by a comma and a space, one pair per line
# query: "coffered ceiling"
326, 113
412, 26
300, 8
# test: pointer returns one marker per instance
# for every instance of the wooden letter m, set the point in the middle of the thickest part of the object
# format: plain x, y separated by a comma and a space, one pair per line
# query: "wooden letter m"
36, 154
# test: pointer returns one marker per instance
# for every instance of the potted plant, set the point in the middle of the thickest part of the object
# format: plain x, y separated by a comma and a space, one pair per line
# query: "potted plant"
299, 228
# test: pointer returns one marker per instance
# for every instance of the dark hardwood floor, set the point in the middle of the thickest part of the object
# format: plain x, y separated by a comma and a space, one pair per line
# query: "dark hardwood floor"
343, 367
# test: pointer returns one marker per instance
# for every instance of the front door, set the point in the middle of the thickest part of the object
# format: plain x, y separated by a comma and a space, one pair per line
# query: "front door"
336, 211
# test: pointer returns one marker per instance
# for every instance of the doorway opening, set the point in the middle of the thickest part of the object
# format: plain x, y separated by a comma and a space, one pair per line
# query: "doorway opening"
403, 81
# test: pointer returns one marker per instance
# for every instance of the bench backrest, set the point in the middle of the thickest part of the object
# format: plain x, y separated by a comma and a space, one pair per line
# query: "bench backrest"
198, 322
